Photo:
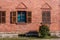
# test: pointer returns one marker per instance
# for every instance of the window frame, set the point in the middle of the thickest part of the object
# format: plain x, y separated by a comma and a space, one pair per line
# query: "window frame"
49, 18
21, 13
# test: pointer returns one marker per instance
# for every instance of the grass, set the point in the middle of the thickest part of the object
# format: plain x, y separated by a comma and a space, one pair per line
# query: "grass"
27, 38
20, 38
12, 39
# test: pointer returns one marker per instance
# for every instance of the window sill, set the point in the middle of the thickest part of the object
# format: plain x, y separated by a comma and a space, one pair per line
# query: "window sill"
21, 23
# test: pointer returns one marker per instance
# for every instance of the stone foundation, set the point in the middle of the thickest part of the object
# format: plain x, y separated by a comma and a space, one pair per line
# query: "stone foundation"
8, 35
55, 34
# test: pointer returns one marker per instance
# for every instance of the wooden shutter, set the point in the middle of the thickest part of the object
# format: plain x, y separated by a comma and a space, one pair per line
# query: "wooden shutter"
29, 17
0, 16
3, 16
13, 17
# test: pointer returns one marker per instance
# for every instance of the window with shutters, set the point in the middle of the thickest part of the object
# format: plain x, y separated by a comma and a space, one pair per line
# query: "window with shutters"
46, 17
24, 17
2, 17
20, 17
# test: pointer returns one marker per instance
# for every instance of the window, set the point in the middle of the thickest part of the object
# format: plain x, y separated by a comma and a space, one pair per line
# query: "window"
20, 17
46, 17
2, 17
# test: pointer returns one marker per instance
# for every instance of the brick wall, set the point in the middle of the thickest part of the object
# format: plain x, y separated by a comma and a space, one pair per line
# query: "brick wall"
35, 7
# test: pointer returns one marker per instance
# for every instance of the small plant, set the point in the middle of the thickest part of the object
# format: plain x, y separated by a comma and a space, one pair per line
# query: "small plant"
44, 31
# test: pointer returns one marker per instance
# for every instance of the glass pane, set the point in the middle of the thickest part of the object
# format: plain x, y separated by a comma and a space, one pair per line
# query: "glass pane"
3, 19
3, 13
19, 19
10, 19
19, 16
23, 16
0, 13
48, 13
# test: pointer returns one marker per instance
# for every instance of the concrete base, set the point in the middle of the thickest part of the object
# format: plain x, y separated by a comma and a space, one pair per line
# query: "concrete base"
8, 35
55, 34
